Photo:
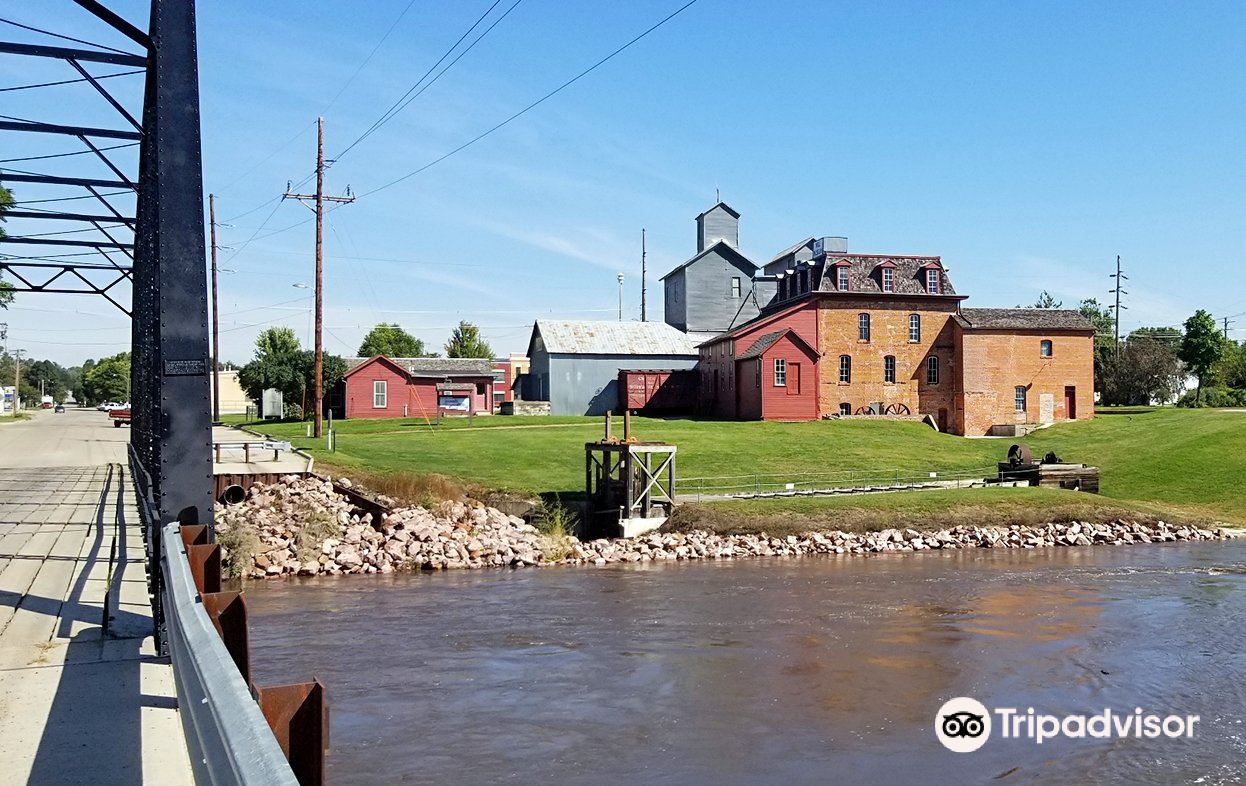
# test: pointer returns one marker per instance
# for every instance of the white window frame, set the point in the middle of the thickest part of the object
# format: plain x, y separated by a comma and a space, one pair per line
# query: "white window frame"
780, 372
1019, 398
915, 328
863, 327
932, 370
845, 369
932, 280
889, 279
842, 280
735, 287
380, 392
889, 369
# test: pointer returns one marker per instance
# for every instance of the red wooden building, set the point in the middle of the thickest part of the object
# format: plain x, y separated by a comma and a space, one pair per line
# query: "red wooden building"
381, 387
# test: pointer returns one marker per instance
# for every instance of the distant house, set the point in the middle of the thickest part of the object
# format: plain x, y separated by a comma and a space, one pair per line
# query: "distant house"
575, 365
507, 373
382, 387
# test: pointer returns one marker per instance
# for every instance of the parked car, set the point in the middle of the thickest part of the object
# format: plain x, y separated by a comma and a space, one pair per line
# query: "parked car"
120, 415
59, 408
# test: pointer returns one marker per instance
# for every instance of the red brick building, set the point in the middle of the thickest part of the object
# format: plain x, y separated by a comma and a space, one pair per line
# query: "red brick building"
853, 334
381, 387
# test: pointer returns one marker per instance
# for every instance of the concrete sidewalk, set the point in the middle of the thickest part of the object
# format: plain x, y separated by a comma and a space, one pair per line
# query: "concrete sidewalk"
78, 703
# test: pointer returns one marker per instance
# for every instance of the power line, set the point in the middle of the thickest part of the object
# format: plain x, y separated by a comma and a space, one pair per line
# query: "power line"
68, 199
63, 37
407, 97
1118, 290
65, 155
367, 59
534, 104
70, 81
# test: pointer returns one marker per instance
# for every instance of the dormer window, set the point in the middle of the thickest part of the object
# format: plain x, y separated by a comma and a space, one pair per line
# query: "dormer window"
841, 278
889, 279
932, 280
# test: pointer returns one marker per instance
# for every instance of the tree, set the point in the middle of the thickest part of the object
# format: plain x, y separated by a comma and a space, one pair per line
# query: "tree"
1105, 327
1232, 368
332, 369
6, 289
465, 342
278, 363
1045, 300
1201, 348
1145, 371
392, 341
108, 380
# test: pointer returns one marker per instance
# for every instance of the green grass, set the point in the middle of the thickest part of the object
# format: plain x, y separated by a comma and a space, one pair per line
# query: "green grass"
1190, 462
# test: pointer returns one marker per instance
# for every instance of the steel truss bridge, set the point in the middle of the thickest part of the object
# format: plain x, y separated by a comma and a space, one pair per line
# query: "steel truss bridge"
144, 232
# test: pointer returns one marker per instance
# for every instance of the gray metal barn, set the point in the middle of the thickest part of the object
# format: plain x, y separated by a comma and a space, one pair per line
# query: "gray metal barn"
575, 364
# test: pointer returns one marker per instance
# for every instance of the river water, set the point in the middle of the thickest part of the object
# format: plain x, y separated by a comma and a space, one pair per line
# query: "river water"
814, 670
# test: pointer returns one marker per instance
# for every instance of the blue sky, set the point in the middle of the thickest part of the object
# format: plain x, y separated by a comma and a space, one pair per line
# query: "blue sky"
1025, 144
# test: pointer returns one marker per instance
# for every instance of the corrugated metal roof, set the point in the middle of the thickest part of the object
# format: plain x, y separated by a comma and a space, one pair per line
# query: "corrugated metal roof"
1023, 319
603, 337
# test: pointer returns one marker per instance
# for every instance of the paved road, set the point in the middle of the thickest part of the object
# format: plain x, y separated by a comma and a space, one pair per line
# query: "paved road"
74, 438
78, 704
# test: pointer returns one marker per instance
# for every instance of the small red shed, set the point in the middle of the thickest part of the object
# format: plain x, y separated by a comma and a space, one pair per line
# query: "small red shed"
777, 378
381, 387
658, 391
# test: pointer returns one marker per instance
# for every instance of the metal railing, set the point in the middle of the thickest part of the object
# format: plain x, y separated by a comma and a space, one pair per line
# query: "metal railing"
229, 740
815, 483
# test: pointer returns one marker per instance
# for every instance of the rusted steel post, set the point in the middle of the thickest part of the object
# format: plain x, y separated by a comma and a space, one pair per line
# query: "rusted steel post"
228, 612
299, 717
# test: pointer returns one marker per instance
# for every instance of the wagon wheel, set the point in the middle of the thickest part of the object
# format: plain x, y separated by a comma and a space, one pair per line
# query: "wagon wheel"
863, 411
898, 409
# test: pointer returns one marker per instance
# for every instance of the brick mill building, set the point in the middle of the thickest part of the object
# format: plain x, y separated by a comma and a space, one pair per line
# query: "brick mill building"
833, 333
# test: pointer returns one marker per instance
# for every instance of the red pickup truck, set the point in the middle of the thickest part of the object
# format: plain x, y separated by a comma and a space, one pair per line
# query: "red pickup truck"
120, 416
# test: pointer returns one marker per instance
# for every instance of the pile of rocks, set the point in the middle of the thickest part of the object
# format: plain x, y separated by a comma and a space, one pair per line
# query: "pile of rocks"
302, 526
699, 544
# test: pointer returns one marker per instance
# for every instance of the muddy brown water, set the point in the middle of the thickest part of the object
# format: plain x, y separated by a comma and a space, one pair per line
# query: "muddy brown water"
814, 670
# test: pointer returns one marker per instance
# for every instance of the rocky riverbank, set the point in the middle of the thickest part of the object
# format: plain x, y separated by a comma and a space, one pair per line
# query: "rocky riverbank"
301, 526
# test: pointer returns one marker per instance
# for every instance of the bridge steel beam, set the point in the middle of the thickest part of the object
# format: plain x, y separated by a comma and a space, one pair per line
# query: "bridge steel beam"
172, 427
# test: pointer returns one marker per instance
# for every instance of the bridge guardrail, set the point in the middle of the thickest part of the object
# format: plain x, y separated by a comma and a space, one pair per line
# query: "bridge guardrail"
229, 739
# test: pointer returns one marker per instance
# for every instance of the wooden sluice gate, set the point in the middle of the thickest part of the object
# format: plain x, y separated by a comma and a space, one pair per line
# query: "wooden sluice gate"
629, 484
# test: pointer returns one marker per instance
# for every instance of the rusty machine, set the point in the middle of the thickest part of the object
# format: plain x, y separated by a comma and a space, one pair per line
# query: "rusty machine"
629, 484
1050, 472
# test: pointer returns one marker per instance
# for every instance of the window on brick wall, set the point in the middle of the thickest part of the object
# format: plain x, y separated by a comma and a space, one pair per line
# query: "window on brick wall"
863, 327
1044, 348
380, 394
780, 373
845, 408
889, 368
915, 328
932, 370
1018, 396
845, 369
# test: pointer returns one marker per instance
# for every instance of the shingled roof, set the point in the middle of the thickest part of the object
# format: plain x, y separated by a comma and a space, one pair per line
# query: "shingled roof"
433, 367
1023, 319
865, 274
760, 346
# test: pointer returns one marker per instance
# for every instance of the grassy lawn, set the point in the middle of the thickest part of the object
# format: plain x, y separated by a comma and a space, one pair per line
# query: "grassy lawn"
1174, 461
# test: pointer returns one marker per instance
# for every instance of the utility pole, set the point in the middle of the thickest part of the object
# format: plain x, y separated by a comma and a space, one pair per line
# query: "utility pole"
620, 297
17, 380
1118, 291
644, 271
216, 336
318, 199
1227, 322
